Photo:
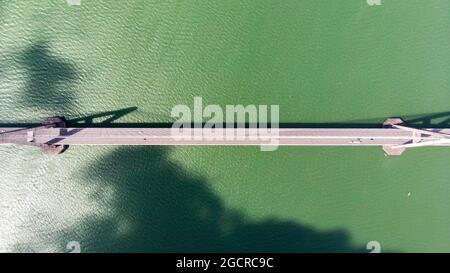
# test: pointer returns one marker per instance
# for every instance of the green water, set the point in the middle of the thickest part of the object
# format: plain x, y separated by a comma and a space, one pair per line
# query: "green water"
320, 60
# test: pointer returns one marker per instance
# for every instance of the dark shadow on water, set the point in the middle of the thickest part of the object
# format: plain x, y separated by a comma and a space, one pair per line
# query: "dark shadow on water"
110, 118
436, 120
49, 79
160, 207
103, 118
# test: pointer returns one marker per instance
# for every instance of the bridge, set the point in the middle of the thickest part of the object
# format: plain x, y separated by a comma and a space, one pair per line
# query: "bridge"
395, 137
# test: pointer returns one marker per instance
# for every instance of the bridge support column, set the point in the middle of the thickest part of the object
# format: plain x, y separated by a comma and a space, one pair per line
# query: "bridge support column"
54, 122
388, 149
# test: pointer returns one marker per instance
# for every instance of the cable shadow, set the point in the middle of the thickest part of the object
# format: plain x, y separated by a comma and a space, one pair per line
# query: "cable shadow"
160, 207
434, 120
101, 119
109, 119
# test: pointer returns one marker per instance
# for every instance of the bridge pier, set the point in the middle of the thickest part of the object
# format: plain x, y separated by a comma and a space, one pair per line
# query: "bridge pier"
388, 149
54, 122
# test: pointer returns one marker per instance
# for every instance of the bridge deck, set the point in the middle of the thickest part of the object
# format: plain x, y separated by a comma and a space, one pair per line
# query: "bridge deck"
164, 136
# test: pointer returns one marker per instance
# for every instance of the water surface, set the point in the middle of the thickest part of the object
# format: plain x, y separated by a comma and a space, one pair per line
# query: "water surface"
320, 60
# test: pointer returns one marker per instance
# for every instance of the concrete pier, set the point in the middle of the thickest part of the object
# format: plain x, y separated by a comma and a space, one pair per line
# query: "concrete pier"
394, 138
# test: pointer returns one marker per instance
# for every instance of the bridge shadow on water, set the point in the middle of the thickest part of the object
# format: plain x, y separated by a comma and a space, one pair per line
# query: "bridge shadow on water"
109, 118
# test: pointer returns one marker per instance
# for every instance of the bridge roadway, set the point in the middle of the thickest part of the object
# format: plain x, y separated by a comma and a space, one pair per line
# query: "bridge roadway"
284, 136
